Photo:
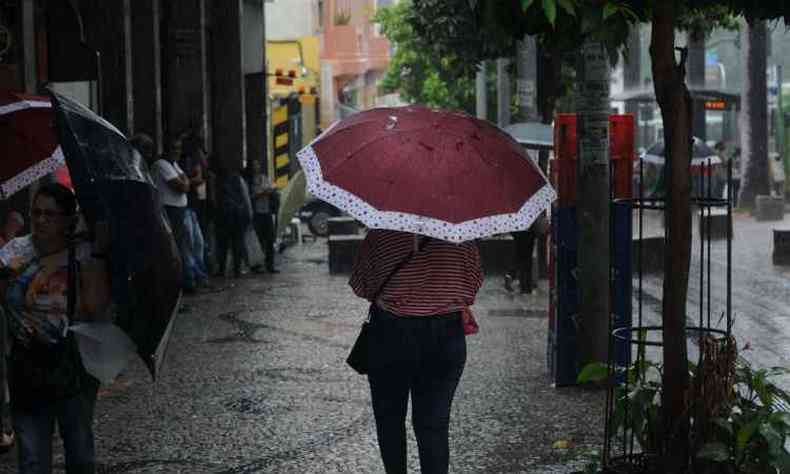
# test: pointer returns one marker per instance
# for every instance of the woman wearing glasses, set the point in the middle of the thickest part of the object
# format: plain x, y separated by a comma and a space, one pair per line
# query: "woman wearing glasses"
48, 383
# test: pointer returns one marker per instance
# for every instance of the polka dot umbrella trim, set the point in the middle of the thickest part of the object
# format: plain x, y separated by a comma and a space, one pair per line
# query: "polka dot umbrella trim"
433, 172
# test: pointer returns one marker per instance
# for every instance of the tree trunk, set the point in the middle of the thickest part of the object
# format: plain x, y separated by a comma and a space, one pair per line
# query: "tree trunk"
675, 103
754, 115
592, 212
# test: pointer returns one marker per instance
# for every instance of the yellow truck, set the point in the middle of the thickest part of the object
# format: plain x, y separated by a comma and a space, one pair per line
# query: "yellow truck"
293, 70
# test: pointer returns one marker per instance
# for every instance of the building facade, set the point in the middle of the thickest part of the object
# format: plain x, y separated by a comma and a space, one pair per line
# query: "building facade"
148, 66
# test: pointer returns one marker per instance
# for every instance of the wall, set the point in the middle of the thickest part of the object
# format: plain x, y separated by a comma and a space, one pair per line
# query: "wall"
289, 19
252, 60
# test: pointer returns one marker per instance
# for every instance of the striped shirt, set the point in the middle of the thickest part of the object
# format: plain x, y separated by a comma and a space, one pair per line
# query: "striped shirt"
442, 277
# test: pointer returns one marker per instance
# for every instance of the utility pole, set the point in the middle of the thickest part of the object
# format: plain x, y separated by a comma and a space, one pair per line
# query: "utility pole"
592, 211
503, 92
696, 79
632, 75
526, 68
481, 93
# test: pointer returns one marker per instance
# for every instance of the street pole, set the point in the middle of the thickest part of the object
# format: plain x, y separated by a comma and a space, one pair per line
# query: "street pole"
526, 68
503, 92
592, 211
696, 78
480, 92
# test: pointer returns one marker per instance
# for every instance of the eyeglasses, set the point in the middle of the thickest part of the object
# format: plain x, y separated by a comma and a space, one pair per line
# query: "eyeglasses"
48, 213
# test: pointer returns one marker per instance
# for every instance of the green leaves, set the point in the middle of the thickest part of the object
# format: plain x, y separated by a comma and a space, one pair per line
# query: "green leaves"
745, 434
595, 372
715, 451
608, 10
550, 9
569, 6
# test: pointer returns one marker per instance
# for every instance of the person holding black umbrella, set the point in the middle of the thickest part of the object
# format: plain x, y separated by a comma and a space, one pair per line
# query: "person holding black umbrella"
47, 379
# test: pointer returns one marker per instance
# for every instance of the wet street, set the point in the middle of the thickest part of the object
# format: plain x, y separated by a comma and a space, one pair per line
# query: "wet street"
255, 381
760, 290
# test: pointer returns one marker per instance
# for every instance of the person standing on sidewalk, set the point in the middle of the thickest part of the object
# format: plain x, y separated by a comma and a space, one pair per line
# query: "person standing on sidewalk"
264, 202
173, 185
233, 217
418, 287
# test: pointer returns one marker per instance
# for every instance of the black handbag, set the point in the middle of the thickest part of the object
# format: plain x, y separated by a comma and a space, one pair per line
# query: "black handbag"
358, 357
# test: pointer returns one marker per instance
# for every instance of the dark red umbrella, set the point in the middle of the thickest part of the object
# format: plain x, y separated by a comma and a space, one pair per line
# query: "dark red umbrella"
434, 172
28, 145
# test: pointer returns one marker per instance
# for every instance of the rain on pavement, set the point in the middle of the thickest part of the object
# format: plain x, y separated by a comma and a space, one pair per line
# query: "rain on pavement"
760, 289
255, 381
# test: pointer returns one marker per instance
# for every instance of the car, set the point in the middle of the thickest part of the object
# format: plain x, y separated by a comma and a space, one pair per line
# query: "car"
316, 213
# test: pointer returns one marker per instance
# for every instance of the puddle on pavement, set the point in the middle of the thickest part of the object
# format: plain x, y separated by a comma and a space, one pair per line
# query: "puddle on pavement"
517, 313
254, 406
245, 330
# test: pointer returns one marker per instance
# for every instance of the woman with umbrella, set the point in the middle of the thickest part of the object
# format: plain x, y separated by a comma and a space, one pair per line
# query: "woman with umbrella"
418, 288
47, 380
428, 183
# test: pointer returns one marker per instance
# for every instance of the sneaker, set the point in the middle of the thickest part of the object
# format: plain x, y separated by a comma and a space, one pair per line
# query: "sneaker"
7, 441
509, 283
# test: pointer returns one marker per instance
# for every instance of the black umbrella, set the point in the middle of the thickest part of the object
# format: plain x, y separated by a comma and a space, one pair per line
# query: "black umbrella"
113, 184
701, 154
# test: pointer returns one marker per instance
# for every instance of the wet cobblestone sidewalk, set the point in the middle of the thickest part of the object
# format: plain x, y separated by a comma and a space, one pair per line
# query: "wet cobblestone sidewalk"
255, 381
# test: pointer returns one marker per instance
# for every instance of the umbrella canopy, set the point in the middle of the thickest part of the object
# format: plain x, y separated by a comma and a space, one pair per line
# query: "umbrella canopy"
113, 183
292, 199
701, 154
434, 172
28, 143
533, 135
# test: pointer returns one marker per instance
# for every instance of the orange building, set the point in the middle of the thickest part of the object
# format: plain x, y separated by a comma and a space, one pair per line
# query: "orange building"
354, 56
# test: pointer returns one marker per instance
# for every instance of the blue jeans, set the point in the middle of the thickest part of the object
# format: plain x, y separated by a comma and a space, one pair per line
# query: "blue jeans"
197, 246
34, 423
423, 357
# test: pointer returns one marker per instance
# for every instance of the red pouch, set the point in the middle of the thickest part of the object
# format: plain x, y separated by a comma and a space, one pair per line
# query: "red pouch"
468, 320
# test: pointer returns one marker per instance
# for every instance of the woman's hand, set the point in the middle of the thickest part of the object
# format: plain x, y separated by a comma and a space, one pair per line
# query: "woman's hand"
94, 275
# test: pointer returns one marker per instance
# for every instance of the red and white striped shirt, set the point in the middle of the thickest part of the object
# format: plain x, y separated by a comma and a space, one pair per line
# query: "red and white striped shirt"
442, 277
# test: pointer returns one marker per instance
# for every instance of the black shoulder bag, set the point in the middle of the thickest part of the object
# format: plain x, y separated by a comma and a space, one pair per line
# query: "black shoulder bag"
358, 357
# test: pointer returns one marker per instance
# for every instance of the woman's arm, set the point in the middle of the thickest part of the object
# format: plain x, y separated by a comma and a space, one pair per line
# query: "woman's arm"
95, 276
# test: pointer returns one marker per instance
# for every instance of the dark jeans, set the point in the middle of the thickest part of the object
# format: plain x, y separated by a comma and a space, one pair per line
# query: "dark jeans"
230, 235
424, 357
524, 243
264, 229
34, 423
